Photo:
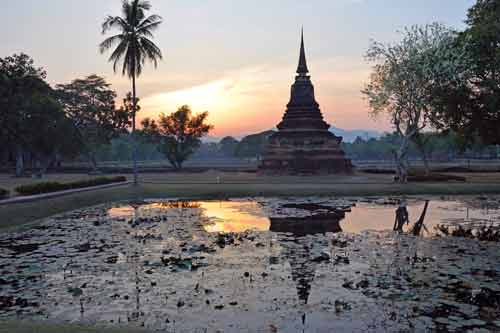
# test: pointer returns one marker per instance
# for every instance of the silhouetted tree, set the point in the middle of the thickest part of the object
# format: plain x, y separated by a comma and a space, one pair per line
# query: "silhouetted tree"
133, 46
19, 81
149, 131
180, 134
402, 81
227, 146
90, 104
253, 145
31, 119
469, 103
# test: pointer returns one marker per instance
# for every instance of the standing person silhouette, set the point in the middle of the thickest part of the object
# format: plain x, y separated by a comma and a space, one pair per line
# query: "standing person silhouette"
402, 216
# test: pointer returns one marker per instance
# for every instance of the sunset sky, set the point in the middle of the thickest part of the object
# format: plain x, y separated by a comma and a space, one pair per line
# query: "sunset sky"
235, 59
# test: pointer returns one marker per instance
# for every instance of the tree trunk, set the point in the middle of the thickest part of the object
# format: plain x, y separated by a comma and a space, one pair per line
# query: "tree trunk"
19, 161
134, 140
400, 159
46, 162
93, 162
421, 147
419, 225
174, 162
35, 166
57, 162
426, 164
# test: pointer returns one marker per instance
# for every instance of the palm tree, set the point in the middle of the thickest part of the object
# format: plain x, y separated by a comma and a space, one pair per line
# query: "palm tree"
133, 48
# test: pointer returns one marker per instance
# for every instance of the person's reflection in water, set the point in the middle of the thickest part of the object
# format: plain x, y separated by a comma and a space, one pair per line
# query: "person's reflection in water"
302, 251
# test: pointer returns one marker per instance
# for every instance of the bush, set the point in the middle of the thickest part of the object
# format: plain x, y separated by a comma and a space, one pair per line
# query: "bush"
433, 177
3, 193
379, 171
48, 187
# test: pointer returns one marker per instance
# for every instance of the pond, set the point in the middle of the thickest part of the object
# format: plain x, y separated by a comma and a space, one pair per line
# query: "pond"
256, 264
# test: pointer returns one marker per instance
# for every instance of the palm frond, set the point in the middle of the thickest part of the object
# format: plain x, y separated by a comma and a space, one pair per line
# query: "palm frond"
129, 60
149, 20
109, 42
114, 22
148, 29
118, 54
152, 52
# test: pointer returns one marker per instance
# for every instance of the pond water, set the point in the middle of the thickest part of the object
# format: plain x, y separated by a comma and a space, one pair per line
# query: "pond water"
363, 214
256, 264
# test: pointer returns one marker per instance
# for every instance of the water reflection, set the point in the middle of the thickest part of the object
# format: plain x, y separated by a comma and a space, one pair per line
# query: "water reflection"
159, 264
242, 215
228, 216
377, 216
223, 216
302, 226
301, 252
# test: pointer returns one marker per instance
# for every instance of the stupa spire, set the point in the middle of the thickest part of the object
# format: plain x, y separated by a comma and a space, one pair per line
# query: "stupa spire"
302, 68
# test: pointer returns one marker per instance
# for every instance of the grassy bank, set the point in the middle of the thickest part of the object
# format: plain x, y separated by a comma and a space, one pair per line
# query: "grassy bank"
29, 327
20, 214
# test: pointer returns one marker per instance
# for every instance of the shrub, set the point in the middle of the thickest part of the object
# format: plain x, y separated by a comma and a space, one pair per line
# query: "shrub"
435, 177
3, 193
48, 187
379, 171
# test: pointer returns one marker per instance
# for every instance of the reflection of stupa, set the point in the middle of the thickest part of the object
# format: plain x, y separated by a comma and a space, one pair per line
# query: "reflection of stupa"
316, 224
302, 265
302, 251
304, 143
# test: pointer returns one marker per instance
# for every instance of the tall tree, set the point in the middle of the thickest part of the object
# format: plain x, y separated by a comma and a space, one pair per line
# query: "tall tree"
179, 134
90, 103
30, 117
402, 80
52, 134
469, 104
133, 47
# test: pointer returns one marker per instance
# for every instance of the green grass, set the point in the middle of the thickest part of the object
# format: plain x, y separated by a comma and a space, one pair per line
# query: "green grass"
32, 327
14, 215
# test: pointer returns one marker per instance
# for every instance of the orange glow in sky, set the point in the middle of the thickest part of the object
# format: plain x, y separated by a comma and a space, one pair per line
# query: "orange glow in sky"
227, 57
254, 99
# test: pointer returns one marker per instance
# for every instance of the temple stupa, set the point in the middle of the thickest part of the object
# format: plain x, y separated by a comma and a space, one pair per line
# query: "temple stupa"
303, 143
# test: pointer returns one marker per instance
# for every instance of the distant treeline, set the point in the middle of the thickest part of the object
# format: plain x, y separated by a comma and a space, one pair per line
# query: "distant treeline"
251, 146
437, 147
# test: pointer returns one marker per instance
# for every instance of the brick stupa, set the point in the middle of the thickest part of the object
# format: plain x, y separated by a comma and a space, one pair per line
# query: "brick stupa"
303, 143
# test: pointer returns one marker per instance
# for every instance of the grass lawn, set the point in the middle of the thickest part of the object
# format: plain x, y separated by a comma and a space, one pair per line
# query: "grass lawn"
204, 186
30, 327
